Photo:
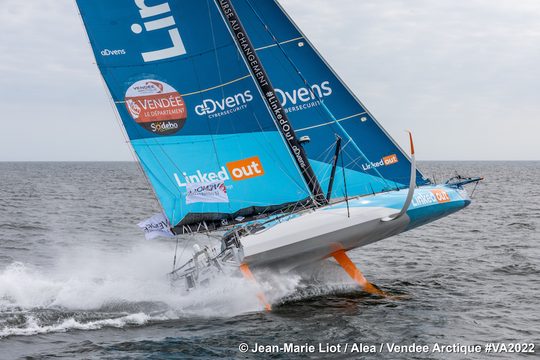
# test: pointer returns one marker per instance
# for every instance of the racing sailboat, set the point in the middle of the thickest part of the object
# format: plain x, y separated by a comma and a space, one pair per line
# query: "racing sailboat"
241, 126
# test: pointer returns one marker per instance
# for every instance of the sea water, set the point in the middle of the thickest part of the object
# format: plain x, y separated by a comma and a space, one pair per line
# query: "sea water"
78, 280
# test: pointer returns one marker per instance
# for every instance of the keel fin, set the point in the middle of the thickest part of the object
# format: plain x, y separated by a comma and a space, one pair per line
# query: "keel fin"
244, 268
350, 268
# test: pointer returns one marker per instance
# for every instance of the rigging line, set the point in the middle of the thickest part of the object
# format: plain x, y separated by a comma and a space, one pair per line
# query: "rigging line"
281, 43
207, 89
325, 157
354, 160
376, 179
222, 90
175, 252
307, 84
345, 186
312, 196
217, 86
332, 122
474, 189
235, 114
184, 248
351, 93
279, 161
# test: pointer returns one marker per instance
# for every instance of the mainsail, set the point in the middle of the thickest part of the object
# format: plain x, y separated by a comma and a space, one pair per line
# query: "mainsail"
198, 122
191, 109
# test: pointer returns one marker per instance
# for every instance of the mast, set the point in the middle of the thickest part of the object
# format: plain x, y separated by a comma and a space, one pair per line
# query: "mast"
334, 167
267, 90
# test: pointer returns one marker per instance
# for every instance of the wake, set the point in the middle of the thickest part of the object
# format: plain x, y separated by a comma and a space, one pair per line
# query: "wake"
90, 290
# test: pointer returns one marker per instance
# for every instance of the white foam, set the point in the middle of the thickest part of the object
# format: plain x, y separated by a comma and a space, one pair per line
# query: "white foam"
32, 326
86, 280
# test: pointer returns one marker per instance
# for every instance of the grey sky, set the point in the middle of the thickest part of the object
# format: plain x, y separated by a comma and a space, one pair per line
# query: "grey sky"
464, 75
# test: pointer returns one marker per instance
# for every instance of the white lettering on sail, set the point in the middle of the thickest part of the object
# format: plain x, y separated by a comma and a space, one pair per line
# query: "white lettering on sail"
147, 11
201, 177
177, 48
214, 108
303, 95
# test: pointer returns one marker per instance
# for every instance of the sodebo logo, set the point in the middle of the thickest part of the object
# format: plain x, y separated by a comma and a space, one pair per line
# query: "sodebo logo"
162, 23
161, 127
238, 170
210, 106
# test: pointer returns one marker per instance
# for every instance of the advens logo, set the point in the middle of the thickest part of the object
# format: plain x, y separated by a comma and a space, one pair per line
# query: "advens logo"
385, 161
294, 100
229, 105
156, 106
304, 98
237, 170
165, 25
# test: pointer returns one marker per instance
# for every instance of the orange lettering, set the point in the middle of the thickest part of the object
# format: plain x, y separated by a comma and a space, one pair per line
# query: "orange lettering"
441, 196
390, 159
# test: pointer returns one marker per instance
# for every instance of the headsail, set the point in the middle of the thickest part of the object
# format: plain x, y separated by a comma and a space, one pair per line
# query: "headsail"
201, 131
321, 106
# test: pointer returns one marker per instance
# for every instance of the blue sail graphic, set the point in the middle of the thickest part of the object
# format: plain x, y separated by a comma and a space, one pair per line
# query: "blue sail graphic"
191, 109
321, 106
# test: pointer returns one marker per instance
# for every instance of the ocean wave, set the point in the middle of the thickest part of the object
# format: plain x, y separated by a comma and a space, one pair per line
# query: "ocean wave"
33, 326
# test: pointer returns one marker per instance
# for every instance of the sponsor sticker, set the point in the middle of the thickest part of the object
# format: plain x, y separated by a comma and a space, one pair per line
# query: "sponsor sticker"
206, 192
156, 106
385, 161
430, 198
201, 177
235, 170
108, 52
303, 98
441, 196
216, 108
390, 160
245, 169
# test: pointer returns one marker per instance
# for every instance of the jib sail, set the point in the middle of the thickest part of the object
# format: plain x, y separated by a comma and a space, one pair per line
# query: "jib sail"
319, 105
194, 116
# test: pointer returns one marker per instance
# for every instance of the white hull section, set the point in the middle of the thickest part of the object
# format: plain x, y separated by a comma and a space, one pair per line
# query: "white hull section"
317, 235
